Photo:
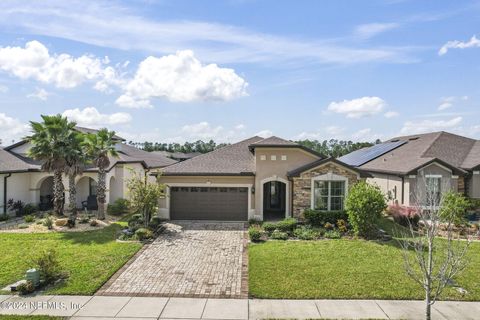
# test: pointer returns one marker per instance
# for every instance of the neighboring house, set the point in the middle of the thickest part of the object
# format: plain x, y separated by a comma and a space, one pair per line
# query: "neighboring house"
179, 156
22, 179
255, 178
404, 167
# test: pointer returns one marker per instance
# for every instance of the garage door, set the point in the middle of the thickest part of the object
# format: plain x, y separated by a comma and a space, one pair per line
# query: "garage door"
208, 203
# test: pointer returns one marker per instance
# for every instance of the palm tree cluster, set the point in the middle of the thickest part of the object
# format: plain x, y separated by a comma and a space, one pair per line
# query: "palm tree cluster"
64, 150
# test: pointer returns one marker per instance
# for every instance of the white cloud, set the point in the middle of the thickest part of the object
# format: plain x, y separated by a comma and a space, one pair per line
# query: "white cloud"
428, 125
110, 24
456, 44
181, 78
447, 102
40, 94
205, 131
64, 71
366, 135
334, 130
92, 118
12, 129
357, 108
391, 114
370, 30
3, 89
264, 133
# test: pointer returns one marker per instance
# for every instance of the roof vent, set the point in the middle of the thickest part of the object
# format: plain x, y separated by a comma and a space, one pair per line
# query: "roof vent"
413, 138
395, 140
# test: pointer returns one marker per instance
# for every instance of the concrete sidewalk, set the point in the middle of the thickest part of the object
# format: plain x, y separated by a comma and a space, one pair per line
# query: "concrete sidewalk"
108, 307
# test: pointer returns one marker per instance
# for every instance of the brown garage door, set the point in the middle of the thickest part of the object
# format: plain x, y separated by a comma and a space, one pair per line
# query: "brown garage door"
209, 203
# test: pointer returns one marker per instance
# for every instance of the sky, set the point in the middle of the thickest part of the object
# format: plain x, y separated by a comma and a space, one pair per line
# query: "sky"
177, 70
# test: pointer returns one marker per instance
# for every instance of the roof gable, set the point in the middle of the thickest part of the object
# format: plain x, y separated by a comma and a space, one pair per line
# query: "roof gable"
320, 162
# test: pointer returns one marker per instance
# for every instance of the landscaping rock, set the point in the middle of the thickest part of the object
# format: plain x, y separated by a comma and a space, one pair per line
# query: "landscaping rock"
61, 222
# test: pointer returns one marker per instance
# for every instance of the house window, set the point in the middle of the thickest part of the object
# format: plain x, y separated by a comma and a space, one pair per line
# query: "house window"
273, 157
434, 189
284, 157
263, 157
329, 195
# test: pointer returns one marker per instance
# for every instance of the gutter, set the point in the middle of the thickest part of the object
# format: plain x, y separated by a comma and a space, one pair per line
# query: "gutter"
5, 192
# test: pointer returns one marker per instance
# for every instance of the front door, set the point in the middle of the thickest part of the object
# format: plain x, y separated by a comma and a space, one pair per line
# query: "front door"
274, 203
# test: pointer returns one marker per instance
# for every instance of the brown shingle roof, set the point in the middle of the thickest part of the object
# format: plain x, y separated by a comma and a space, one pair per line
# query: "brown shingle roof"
234, 159
10, 162
472, 160
420, 150
273, 141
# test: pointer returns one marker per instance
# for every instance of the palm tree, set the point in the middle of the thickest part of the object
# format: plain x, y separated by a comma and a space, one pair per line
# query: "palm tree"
99, 147
49, 143
75, 160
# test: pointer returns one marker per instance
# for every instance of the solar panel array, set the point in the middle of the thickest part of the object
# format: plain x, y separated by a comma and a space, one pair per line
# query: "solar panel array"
359, 157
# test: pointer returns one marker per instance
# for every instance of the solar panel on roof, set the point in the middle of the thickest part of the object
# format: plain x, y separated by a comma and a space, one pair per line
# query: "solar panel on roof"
362, 156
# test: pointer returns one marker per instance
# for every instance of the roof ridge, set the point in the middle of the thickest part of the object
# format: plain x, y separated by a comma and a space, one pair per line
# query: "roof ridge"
429, 146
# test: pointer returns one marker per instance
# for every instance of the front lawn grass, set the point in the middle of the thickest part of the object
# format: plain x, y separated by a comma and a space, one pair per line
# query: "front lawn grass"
343, 269
90, 257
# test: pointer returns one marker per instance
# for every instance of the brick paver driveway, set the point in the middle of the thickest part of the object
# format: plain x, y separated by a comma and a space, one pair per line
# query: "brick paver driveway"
192, 259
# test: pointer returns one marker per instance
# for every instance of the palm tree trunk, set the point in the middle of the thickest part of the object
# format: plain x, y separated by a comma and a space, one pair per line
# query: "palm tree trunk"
101, 190
58, 192
72, 197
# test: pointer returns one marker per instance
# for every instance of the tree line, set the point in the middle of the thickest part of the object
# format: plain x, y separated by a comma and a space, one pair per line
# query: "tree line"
332, 148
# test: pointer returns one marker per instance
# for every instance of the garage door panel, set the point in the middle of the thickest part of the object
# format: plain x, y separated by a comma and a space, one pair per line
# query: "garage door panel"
209, 203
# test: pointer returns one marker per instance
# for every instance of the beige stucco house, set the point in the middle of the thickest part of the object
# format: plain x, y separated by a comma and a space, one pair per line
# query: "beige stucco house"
404, 167
255, 178
22, 179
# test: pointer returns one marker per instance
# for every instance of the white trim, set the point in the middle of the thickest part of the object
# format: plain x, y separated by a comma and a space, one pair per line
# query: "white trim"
454, 177
208, 184
435, 163
284, 157
273, 157
412, 176
287, 194
326, 177
433, 176
476, 172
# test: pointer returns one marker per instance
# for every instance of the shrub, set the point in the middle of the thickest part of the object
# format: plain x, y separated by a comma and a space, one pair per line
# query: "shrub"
22, 226
403, 215
143, 234
365, 204
29, 218
4, 217
49, 266
253, 221
84, 219
269, 227
118, 207
287, 225
329, 226
342, 226
16, 206
319, 218
279, 235
48, 222
135, 221
71, 222
26, 288
454, 208
255, 233
306, 233
30, 208
93, 223
332, 234
155, 222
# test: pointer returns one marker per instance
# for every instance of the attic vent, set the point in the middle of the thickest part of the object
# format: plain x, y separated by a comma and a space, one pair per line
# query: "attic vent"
413, 138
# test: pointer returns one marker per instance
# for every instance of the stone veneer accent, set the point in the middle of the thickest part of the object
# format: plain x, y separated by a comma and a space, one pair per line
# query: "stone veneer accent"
461, 185
302, 185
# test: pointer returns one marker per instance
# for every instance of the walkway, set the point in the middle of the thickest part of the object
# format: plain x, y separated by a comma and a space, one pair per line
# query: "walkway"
104, 307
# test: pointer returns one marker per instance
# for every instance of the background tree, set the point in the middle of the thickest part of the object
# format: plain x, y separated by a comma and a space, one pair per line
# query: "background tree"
99, 148
333, 147
49, 141
144, 196
75, 160
431, 262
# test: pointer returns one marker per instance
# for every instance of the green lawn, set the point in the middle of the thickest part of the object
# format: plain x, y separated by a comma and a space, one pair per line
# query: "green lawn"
353, 269
90, 257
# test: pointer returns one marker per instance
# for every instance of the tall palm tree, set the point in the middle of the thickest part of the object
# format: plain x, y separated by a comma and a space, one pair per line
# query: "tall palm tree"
49, 141
99, 147
75, 160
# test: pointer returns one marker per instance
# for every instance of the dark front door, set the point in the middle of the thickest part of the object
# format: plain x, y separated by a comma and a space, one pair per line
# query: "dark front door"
209, 203
274, 193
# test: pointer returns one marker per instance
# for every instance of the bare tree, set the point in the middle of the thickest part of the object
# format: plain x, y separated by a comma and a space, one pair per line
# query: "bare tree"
433, 260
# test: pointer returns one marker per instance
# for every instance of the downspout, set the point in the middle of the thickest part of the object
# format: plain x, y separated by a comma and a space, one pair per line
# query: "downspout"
5, 192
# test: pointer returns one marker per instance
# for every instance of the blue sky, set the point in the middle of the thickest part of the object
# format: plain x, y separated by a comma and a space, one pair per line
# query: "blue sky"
185, 70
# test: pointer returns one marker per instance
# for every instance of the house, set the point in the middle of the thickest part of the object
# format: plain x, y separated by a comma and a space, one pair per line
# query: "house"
405, 166
255, 178
21, 177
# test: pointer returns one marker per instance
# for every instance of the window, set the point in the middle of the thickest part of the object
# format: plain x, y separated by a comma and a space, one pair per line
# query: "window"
329, 195
284, 157
273, 157
433, 188
263, 157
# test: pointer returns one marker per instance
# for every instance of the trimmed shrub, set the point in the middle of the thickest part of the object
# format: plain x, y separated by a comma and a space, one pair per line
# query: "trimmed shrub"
342, 226
365, 204
29, 218
332, 234
269, 227
306, 233
287, 225
255, 233
403, 215
135, 221
30, 208
329, 226
319, 218
279, 235
454, 208
118, 207
143, 234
